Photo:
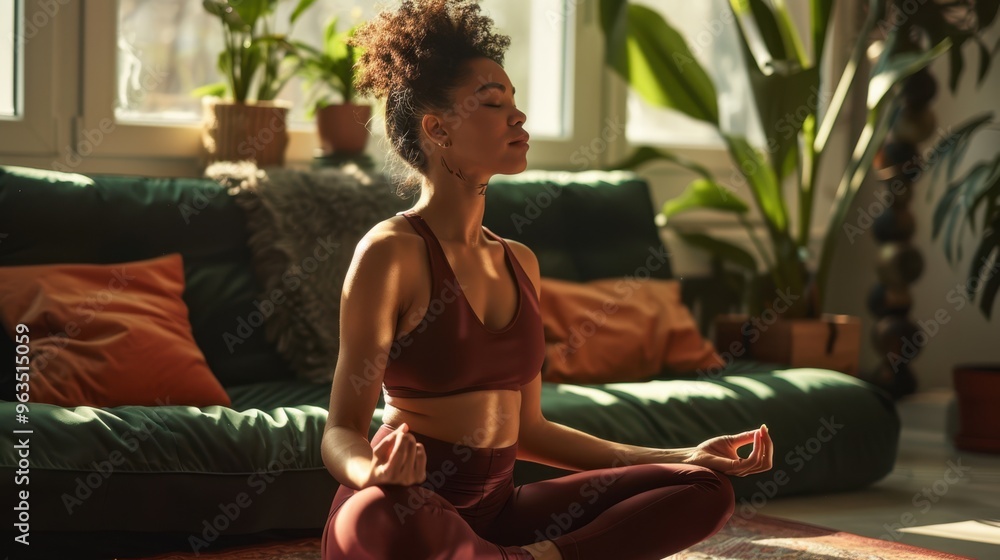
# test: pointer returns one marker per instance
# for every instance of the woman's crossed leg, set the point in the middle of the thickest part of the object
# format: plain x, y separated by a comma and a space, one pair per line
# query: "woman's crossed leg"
390, 522
645, 511
632, 512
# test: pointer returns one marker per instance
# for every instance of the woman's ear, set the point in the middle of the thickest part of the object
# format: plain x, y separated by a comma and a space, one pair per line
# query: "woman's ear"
433, 129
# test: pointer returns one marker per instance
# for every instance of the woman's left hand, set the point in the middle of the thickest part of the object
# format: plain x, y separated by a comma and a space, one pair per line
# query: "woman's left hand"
719, 453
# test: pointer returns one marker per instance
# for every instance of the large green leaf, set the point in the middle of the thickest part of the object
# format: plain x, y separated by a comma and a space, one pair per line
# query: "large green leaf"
983, 254
722, 249
960, 203
874, 132
785, 94
988, 194
829, 118
951, 148
224, 12
253, 61
983, 274
656, 62
944, 209
702, 194
819, 23
957, 67
645, 154
782, 99
990, 290
252, 10
762, 180
218, 89
614, 26
893, 67
767, 26
331, 40
980, 191
987, 252
301, 7
789, 35
984, 61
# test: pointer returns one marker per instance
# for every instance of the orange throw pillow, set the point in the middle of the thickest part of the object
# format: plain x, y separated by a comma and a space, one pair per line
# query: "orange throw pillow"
108, 335
619, 329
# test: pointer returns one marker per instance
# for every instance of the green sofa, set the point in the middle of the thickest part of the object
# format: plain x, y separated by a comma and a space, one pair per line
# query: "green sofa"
219, 476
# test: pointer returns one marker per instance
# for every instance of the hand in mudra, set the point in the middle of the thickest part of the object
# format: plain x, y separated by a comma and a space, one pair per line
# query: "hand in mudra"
398, 459
719, 453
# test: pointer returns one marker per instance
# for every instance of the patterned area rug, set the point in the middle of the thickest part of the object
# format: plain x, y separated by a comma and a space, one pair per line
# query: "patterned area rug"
761, 536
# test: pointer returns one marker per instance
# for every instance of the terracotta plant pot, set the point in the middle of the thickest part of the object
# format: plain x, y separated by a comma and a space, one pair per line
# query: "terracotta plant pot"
245, 131
343, 128
829, 342
977, 388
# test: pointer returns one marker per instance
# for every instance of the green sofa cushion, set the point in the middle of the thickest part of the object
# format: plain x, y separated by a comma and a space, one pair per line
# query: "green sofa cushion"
52, 217
581, 226
831, 432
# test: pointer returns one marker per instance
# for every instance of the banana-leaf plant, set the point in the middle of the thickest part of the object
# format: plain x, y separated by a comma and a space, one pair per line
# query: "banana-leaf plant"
656, 62
253, 52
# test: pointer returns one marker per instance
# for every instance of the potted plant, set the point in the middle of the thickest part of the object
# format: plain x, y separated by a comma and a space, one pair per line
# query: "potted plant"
329, 75
977, 385
788, 323
243, 119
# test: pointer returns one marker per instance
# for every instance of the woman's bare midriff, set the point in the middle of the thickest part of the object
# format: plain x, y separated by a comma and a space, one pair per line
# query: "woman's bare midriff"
476, 419
487, 418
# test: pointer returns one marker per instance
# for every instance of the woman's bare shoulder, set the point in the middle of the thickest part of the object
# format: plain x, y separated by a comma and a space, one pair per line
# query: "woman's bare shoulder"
394, 241
394, 230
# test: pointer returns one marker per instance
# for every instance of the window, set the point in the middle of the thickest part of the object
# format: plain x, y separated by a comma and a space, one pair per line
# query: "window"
536, 61
30, 119
107, 85
9, 59
167, 49
710, 31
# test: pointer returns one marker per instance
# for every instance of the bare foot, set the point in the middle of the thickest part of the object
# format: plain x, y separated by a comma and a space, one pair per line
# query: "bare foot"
545, 550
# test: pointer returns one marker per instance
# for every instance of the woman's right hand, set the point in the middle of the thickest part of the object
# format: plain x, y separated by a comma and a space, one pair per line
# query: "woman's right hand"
398, 459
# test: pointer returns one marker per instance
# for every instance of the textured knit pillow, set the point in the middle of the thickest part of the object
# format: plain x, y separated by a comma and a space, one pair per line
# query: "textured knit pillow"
107, 335
616, 329
304, 226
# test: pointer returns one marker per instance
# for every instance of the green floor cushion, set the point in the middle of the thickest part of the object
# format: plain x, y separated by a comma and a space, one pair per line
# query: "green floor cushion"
831, 431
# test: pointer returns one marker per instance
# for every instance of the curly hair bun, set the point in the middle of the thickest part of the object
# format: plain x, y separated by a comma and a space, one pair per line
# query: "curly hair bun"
420, 45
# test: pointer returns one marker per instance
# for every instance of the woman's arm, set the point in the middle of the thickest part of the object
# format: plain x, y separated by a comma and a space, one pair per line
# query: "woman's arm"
368, 315
558, 445
550, 443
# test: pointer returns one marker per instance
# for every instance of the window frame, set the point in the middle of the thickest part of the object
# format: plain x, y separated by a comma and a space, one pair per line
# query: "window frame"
76, 98
35, 131
97, 95
177, 147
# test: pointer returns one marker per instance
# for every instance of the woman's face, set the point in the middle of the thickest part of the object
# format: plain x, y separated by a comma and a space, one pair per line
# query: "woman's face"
483, 124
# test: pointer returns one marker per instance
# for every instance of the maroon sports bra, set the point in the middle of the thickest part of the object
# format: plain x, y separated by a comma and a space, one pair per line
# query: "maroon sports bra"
450, 350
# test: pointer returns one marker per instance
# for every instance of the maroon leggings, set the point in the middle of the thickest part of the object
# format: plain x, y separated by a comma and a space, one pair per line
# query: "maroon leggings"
469, 509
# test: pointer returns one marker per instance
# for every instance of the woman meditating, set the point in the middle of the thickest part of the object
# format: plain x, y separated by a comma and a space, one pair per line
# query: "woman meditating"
442, 315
